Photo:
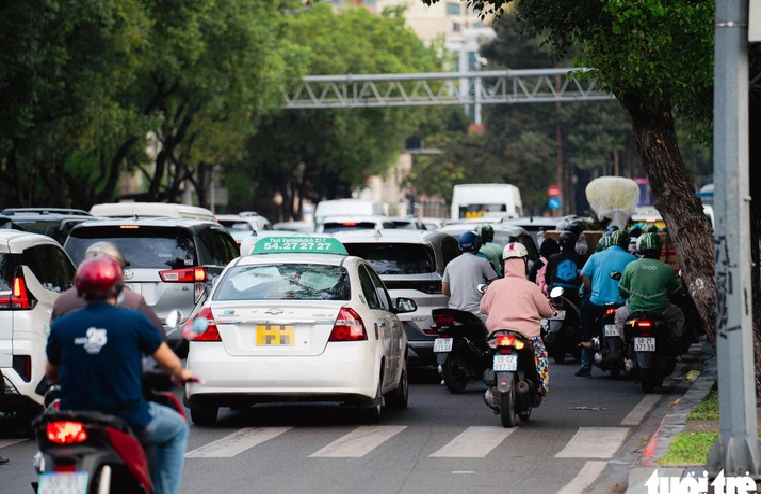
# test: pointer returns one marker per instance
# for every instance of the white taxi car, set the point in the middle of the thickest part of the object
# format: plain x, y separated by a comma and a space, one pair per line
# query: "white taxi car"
298, 320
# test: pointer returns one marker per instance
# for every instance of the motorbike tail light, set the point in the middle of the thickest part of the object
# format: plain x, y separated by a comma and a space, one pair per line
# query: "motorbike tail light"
609, 312
509, 341
65, 468
443, 319
644, 324
66, 432
348, 327
211, 333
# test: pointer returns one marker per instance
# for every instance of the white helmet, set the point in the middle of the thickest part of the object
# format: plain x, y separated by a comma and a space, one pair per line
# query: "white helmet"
514, 249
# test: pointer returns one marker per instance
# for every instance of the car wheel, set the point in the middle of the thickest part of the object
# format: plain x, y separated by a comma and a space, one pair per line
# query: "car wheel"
204, 415
372, 415
397, 399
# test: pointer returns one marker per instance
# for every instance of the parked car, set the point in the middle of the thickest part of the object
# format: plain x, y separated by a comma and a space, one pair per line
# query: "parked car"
34, 271
411, 264
298, 321
169, 261
53, 222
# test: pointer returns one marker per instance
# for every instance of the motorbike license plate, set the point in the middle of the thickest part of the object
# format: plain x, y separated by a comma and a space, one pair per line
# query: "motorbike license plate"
611, 330
62, 483
505, 363
644, 344
273, 334
559, 316
442, 345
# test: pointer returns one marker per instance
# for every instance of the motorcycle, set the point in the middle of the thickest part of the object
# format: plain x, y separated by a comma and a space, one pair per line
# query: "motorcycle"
461, 349
653, 355
512, 380
607, 344
563, 330
92, 452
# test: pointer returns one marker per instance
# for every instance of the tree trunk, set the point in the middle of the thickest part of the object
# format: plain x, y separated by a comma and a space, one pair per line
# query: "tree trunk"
203, 172
675, 199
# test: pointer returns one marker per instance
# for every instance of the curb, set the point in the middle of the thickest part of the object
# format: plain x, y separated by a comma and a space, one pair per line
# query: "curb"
671, 425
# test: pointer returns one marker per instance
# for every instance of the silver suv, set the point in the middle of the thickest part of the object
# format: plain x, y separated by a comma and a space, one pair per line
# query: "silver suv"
411, 264
34, 271
169, 260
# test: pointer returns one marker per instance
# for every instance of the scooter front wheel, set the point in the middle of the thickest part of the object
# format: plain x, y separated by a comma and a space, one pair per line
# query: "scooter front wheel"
507, 407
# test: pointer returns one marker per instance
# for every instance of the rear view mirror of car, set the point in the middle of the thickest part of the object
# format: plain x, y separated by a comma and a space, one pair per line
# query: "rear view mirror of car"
405, 305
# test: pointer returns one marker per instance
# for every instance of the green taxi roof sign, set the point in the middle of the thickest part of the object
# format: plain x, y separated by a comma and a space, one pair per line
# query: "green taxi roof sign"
298, 245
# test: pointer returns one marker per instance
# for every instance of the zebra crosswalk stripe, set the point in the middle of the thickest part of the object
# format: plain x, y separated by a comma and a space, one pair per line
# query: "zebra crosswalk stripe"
360, 441
475, 442
237, 443
594, 442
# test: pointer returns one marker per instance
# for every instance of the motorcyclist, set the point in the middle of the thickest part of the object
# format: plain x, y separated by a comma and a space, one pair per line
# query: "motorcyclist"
595, 275
96, 354
70, 300
464, 273
647, 283
563, 268
538, 272
491, 249
515, 303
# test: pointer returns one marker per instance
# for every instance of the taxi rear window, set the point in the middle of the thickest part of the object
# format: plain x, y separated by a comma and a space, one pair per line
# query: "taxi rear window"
284, 282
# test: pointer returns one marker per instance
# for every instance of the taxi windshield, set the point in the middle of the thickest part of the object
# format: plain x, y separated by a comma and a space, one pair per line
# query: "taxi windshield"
283, 282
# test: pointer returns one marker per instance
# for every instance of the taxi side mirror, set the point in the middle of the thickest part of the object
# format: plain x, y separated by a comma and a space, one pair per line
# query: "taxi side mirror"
405, 305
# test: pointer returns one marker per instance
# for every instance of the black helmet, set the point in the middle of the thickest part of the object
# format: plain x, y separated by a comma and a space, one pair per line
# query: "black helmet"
548, 247
567, 241
576, 227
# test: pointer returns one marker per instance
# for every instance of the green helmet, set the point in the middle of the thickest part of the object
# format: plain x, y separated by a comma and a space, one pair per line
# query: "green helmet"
486, 232
650, 228
620, 238
649, 241
604, 243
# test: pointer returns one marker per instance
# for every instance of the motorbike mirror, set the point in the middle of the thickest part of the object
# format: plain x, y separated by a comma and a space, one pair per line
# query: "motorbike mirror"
615, 275
482, 288
173, 318
556, 292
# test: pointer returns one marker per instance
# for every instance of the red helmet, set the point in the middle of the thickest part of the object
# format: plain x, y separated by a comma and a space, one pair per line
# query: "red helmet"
99, 277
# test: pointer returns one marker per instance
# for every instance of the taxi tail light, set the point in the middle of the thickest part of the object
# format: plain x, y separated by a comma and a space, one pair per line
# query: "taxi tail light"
211, 333
197, 275
19, 298
348, 327
66, 432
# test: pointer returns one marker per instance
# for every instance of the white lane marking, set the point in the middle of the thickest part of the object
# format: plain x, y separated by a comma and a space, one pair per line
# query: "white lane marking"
360, 441
639, 411
237, 442
594, 442
475, 442
586, 477
4, 443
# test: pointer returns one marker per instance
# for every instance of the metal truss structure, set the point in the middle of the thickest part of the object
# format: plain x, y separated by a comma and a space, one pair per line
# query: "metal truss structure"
441, 88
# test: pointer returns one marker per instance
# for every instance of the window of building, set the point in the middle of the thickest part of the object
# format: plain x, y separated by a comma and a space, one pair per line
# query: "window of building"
478, 25
456, 27
453, 8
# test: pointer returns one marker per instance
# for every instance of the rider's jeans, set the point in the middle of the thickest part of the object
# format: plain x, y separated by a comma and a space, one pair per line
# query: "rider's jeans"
168, 431
589, 314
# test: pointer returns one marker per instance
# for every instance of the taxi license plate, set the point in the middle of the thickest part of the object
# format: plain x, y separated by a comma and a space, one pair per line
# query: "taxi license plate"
559, 315
273, 334
62, 483
505, 363
644, 344
442, 345
611, 330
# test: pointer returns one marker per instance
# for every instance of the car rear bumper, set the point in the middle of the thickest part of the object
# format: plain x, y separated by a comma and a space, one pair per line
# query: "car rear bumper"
343, 370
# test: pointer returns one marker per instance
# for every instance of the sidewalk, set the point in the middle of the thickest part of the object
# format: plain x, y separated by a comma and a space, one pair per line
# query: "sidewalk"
675, 422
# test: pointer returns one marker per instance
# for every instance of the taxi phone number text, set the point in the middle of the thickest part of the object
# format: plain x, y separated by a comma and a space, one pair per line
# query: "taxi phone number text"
301, 246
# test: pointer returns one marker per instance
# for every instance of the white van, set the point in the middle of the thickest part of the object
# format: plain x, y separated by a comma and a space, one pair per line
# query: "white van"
151, 209
344, 207
495, 200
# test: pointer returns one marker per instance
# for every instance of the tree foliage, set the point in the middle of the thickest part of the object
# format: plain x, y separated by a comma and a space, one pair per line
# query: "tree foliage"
327, 153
